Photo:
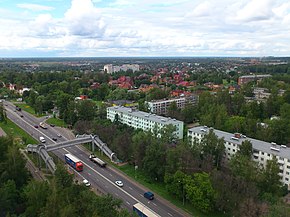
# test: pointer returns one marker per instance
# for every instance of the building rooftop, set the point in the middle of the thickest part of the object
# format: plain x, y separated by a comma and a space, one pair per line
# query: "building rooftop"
256, 76
270, 148
145, 115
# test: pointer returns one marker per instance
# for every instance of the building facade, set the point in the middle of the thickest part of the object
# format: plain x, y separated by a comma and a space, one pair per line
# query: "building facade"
161, 106
142, 120
247, 78
262, 151
110, 68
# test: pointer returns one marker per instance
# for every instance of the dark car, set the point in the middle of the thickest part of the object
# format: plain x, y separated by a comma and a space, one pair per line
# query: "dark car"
21, 116
52, 125
36, 126
54, 139
149, 195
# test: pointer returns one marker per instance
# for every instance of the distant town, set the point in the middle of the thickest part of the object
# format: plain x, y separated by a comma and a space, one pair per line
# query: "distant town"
211, 135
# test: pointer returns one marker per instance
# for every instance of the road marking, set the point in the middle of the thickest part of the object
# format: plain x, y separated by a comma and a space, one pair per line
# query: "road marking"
141, 195
117, 194
154, 204
131, 188
169, 214
85, 164
89, 174
128, 203
110, 174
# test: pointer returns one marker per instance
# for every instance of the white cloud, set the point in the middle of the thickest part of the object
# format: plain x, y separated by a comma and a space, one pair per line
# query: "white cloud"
35, 7
256, 10
147, 28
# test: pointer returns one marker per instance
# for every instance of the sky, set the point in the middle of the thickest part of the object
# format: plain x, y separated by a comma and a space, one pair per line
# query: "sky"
131, 28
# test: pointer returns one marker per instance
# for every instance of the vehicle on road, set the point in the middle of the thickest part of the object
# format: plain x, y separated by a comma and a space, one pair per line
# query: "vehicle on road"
119, 183
42, 139
149, 195
97, 160
18, 108
86, 183
52, 125
43, 125
58, 135
54, 139
74, 162
21, 116
144, 211
36, 126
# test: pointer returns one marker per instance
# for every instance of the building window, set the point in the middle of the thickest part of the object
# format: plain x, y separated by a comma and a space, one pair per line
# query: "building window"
262, 159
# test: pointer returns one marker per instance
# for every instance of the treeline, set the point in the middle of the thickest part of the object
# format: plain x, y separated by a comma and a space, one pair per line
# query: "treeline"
197, 173
22, 196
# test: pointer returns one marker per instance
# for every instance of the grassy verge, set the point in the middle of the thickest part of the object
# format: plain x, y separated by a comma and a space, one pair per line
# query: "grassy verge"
27, 108
13, 130
159, 188
56, 122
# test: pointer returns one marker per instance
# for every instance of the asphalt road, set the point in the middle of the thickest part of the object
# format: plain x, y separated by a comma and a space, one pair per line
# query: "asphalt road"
100, 178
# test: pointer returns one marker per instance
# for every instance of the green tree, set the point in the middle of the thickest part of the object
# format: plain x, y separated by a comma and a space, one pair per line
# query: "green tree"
246, 149
270, 179
200, 192
154, 161
213, 148
35, 195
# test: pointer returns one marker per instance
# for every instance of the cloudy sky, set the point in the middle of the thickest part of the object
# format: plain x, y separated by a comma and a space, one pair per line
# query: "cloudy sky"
97, 28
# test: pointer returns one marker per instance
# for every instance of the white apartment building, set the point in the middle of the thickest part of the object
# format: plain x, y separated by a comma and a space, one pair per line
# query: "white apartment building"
142, 120
110, 68
161, 106
262, 151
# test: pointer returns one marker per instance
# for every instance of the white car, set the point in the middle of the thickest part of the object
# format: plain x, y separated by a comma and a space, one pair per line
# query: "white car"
86, 183
119, 183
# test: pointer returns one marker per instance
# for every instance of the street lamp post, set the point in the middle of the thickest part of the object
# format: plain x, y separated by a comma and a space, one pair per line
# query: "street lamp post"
182, 192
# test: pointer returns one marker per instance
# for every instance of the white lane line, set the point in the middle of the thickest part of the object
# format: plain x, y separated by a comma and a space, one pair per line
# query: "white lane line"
108, 180
111, 174
117, 194
128, 203
169, 214
130, 188
89, 174
141, 195
154, 204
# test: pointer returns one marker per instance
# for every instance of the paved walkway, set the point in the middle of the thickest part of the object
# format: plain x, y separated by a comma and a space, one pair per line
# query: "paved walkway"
2, 133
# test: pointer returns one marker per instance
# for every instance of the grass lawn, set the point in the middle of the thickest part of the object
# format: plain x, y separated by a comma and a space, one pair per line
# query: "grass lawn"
27, 108
159, 188
13, 130
56, 122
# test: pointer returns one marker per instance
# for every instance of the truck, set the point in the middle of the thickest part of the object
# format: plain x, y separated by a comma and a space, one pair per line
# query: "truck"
74, 162
43, 125
143, 211
97, 160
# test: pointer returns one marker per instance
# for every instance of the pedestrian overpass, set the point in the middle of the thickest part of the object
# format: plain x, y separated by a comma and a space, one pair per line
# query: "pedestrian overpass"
43, 149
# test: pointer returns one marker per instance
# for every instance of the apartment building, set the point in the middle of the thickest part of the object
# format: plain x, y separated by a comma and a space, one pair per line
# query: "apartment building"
247, 78
262, 151
161, 106
142, 120
110, 68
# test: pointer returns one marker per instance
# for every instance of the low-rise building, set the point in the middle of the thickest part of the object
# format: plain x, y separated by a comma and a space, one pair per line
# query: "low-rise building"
142, 120
247, 78
262, 151
161, 106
